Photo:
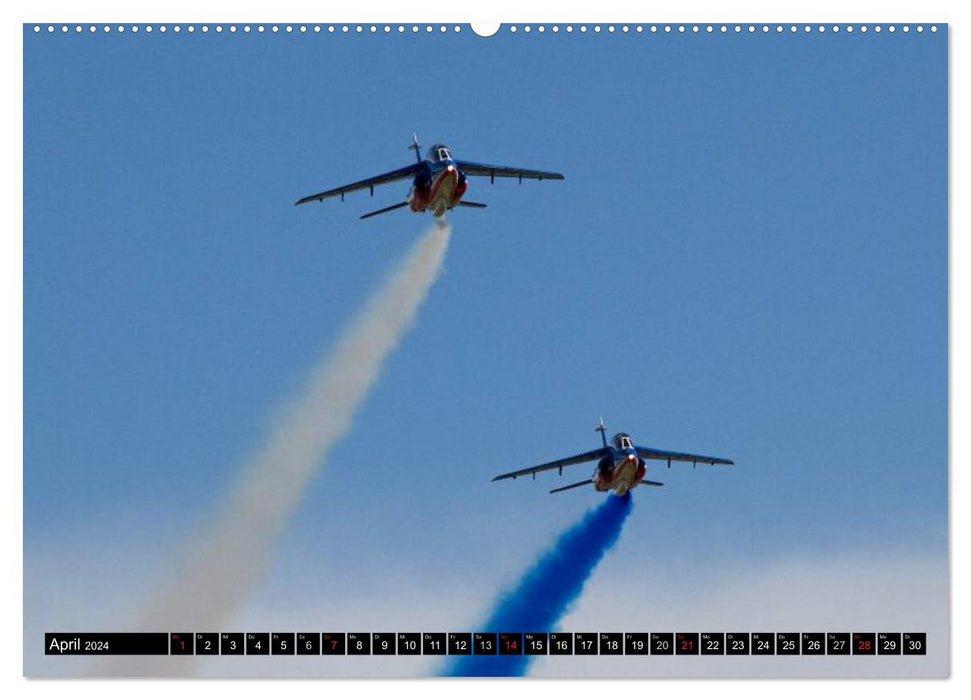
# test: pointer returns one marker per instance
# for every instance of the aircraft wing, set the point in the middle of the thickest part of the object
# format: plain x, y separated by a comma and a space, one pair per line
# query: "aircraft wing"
398, 174
651, 453
575, 459
494, 171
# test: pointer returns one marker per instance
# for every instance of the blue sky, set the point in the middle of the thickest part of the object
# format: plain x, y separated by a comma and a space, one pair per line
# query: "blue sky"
748, 259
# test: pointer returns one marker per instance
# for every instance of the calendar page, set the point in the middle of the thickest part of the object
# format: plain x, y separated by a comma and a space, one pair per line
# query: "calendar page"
552, 350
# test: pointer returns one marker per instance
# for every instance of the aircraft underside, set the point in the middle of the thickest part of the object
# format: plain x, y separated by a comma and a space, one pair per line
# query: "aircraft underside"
444, 193
620, 477
438, 182
621, 465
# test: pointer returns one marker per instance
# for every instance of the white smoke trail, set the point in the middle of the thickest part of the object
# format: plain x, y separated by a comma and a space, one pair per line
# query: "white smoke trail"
231, 559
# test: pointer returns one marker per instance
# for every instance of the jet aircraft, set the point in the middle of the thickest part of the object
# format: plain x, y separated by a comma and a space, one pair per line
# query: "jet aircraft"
438, 182
622, 465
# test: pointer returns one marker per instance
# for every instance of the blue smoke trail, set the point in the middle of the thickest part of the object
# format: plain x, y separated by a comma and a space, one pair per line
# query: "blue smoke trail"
548, 589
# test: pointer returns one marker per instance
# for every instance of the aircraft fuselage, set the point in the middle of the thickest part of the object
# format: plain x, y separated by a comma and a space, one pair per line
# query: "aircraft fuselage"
437, 187
619, 472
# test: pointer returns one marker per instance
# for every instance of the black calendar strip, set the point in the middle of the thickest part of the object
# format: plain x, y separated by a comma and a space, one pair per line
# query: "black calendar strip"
106, 644
488, 643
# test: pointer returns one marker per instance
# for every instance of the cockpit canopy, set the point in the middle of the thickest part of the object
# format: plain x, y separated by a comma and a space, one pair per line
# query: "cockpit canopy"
622, 441
439, 152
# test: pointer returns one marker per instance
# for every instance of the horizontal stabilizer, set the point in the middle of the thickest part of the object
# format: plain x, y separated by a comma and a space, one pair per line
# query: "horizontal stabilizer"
651, 483
585, 482
386, 209
476, 205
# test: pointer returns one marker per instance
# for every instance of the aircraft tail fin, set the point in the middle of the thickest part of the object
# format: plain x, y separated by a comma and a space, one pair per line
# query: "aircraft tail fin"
415, 146
585, 482
602, 429
385, 210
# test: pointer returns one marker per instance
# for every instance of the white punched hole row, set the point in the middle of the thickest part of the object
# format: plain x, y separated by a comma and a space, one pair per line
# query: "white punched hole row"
485, 30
